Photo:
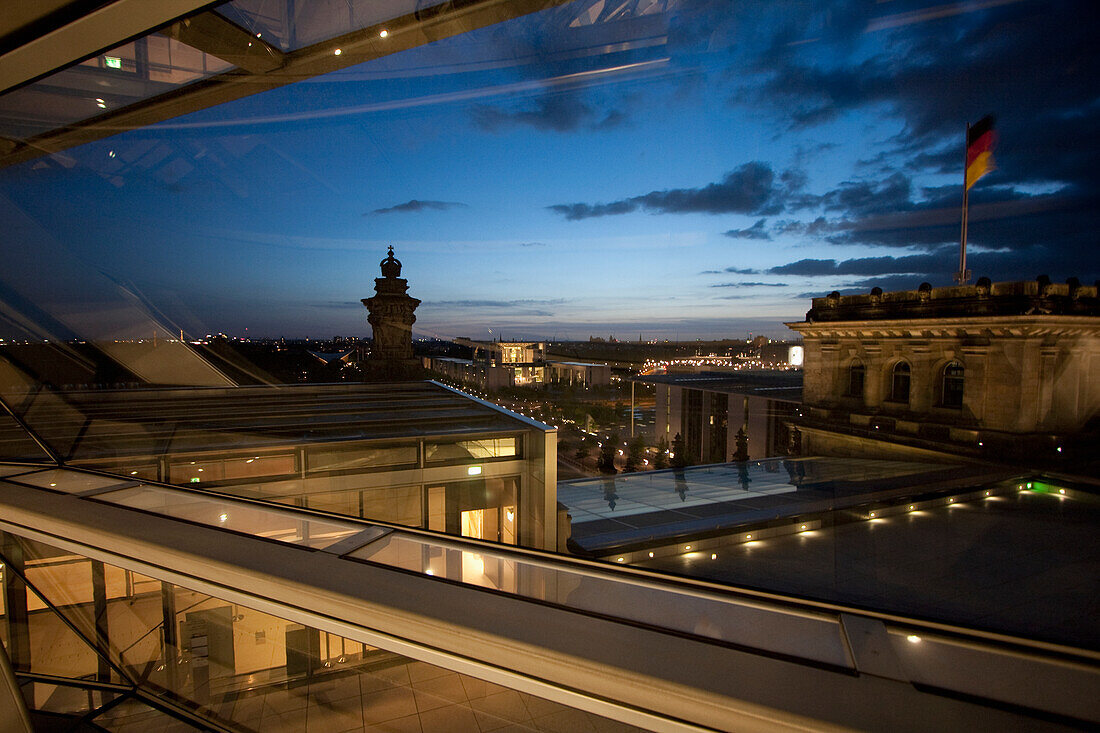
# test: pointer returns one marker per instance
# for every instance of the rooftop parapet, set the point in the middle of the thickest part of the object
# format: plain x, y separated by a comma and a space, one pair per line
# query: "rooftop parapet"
984, 298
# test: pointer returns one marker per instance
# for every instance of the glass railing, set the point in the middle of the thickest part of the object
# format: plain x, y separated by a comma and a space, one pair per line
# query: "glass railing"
822, 635
637, 599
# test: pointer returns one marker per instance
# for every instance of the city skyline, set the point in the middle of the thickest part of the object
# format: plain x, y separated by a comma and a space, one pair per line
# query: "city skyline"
696, 173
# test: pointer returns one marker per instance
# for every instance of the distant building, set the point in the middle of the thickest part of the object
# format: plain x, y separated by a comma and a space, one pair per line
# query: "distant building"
524, 361
579, 373
993, 369
708, 410
470, 373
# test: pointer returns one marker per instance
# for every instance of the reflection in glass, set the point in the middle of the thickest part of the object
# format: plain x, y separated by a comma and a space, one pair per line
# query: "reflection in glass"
134, 71
485, 448
253, 520
594, 592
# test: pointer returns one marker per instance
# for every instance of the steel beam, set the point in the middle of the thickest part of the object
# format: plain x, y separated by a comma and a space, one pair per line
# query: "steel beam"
101, 29
366, 44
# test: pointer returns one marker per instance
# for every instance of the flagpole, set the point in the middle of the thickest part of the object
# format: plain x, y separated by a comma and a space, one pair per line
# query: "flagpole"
963, 275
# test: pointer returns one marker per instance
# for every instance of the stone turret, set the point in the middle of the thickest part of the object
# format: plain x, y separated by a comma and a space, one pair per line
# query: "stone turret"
391, 319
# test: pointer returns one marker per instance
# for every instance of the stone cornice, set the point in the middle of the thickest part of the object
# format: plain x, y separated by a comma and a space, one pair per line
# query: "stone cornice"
1022, 326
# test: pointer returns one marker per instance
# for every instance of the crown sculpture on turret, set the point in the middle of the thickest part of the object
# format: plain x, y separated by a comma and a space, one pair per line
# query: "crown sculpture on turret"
391, 318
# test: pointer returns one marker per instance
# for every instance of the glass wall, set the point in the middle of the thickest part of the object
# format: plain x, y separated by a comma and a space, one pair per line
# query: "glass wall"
138, 654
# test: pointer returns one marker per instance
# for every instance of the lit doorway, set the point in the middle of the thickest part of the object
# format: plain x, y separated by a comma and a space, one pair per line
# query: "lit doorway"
484, 509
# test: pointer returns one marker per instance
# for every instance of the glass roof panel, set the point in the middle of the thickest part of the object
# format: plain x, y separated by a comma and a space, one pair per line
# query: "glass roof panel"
15, 444
272, 524
134, 71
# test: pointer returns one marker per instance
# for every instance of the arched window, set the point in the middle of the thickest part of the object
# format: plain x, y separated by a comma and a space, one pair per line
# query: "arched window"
899, 384
856, 372
952, 388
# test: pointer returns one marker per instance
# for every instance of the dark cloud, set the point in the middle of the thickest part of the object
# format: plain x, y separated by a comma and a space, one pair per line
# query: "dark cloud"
937, 80
893, 213
999, 219
923, 263
756, 231
561, 94
753, 188
888, 284
816, 228
1032, 64
416, 205
868, 197
611, 120
561, 112
576, 212
939, 266
733, 270
750, 285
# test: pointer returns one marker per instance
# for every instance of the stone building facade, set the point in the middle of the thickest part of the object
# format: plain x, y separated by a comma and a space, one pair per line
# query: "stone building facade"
994, 370
391, 316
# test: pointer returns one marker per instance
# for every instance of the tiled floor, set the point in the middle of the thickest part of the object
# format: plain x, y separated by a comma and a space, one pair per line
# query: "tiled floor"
410, 697
379, 693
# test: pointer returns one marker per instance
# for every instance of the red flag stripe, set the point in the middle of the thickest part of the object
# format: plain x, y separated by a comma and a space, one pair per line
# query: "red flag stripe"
983, 144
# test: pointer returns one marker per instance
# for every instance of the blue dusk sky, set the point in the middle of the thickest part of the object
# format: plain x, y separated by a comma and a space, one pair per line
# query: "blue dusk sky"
682, 170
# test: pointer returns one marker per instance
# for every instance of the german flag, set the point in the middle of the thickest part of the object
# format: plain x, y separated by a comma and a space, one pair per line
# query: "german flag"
980, 139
